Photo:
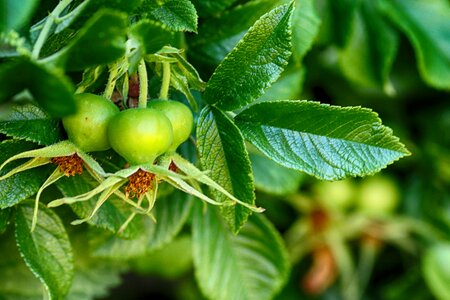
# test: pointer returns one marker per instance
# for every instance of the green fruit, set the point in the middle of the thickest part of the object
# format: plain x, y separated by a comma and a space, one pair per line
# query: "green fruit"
338, 195
378, 196
87, 127
180, 117
140, 135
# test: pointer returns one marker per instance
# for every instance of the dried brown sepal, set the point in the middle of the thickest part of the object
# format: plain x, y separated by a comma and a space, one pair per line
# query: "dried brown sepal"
173, 167
139, 183
70, 165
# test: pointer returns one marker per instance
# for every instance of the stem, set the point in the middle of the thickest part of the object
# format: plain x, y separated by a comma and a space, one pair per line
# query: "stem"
366, 263
163, 95
113, 71
43, 35
143, 84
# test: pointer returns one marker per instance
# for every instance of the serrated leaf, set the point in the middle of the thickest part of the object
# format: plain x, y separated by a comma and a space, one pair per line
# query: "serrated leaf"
328, 142
305, 27
23, 185
111, 215
222, 151
370, 51
29, 122
209, 7
177, 15
100, 41
254, 64
151, 35
46, 250
218, 35
170, 212
436, 271
426, 25
273, 178
251, 265
50, 88
14, 14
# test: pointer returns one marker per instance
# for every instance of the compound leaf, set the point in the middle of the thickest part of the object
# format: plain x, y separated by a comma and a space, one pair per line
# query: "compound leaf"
222, 151
254, 64
328, 142
178, 15
151, 35
49, 87
46, 250
251, 265
100, 41
29, 122
218, 35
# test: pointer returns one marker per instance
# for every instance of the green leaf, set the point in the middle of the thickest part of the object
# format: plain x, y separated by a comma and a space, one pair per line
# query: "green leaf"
338, 21
10, 83
51, 89
222, 151
254, 64
209, 7
20, 186
305, 27
127, 6
219, 35
47, 250
273, 178
4, 219
29, 122
177, 15
251, 265
100, 41
151, 36
425, 23
170, 212
111, 215
16, 280
328, 142
436, 271
370, 51
14, 14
